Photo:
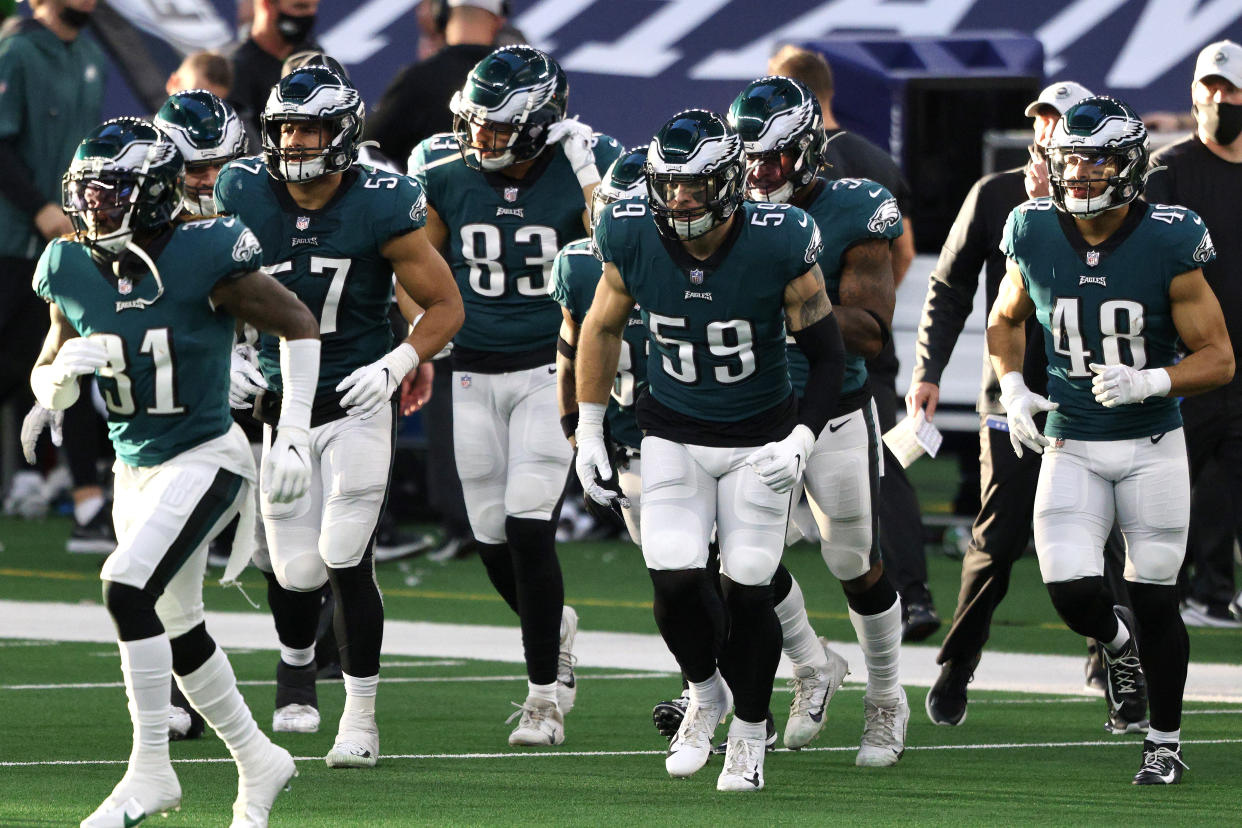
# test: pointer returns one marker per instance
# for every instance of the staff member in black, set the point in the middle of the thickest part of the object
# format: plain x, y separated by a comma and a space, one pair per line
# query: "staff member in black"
1204, 172
1003, 526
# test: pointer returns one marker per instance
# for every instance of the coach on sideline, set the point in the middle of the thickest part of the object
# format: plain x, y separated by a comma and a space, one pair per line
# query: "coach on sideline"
1204, 172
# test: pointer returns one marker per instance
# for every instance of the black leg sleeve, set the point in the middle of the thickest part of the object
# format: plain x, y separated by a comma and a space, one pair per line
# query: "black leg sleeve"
691, 616
1086, 607
1164, 651
540, 593
498, 561
359, 619
296, 614
753, 648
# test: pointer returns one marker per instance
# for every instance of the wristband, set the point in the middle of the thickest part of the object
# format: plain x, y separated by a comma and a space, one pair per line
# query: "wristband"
299, 373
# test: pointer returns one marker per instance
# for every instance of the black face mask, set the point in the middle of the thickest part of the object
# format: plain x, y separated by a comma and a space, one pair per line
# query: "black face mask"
295, 29
1221, 121
74, 18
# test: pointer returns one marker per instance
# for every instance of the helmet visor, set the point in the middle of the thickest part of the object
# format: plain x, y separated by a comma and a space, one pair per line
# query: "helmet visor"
99, 204
489, 139
1084, 172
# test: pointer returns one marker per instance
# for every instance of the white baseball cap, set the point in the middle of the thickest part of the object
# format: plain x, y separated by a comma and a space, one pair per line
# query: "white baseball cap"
1223, 58
496, 7
1060, 96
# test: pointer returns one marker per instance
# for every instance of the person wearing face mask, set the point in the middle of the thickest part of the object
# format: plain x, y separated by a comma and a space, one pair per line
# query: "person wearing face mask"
279, 28
1204, 172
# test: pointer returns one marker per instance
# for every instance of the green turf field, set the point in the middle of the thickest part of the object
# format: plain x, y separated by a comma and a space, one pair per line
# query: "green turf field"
1019, 759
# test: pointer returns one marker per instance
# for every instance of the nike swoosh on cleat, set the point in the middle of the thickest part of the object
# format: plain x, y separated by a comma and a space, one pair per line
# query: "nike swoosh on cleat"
130, 822
754, 779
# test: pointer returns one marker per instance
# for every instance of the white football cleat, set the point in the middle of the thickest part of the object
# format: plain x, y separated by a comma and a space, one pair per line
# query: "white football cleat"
136, 797
566, 683
357, 744
689, 749
259, 782
541, 724
884, 733
743, 765
295, 718
812, 691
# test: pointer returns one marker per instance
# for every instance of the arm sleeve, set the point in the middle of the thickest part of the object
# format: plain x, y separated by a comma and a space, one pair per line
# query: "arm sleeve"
825, 352
951, 289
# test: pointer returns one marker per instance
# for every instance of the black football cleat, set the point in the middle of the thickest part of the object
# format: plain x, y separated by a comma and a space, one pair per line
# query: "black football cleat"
1126, 689
1162, 765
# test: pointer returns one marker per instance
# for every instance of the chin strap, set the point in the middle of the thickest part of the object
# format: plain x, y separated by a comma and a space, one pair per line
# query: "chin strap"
139, 304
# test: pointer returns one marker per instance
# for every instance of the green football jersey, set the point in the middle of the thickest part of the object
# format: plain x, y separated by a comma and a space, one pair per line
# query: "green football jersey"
329, 257
575, 273
502, 236
716, 327
166, 386
847, 210
1106, 304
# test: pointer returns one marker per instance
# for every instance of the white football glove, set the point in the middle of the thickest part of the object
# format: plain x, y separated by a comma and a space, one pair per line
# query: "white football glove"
576, 139
780, 464
1021, 405
1115, 385
55, 386
287, 466
593, 465
37, 419
245, 380
371, 387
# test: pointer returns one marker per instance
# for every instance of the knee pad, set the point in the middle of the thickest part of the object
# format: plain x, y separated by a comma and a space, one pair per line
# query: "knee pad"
132, 611
846, 548
749, 566
191, 650
1154, 560
305, 572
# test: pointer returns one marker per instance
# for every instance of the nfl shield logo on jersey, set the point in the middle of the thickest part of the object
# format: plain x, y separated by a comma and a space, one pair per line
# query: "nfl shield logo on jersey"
303, 222
696, 276
124, 285
1093, 258
465, 380
511, 193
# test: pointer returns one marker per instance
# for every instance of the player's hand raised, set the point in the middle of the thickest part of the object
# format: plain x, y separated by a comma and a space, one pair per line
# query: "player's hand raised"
1021, 405
576, 139
287, 467
1115, 385
780, 464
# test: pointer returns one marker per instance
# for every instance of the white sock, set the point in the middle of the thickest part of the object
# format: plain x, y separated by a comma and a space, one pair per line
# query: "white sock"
1123, 637
798, 639
879, 636
710, 689
1164, 737
543, 692
212, 689
85, 511
360, 696
296, 657
739, 729
147, 667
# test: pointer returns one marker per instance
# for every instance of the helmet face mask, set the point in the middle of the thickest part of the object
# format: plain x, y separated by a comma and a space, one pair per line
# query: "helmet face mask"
625, 179
502, 114
312, 100
694, 174
782, 130
209, 134
1097, 157
125, 178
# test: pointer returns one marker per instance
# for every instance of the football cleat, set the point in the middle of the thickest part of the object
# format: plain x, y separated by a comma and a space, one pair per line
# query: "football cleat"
295, 718
137, 797
1095, 677
667, 715
743, 765
946, 700
769, 740
566, 683
1197, 613
357, 743
884, 733
1126, 691
691, 745
1162, 765
258, 785
812, 691
541, 723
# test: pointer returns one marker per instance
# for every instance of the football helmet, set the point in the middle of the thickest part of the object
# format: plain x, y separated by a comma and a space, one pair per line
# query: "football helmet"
694, 174
125, 177
782, 132
1097, 157
312, 94
208, 133
626, 178
502, 114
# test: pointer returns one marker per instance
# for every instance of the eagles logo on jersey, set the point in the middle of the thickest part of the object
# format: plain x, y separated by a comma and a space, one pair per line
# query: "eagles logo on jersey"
502, 114
125, 177
782, 131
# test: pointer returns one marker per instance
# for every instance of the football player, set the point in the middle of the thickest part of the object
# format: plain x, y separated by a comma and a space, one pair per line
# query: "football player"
507, 189
335, 232
717, 280
148, 307
1116, 283
781, 127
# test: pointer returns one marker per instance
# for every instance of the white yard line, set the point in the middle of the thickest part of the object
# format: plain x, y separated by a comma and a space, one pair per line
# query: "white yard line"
1014, 672
579, 754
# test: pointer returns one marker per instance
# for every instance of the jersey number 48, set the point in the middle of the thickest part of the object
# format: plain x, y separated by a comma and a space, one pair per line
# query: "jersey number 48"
1121, 331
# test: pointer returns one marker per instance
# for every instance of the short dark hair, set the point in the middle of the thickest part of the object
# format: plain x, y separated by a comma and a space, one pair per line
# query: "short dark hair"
802, 64
213, 67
